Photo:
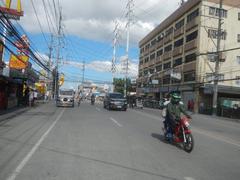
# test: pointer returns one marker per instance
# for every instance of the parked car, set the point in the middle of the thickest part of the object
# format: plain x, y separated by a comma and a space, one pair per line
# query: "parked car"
115, 101
65, 98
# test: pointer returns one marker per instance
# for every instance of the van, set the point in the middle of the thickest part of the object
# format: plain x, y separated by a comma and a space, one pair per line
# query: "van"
65, 98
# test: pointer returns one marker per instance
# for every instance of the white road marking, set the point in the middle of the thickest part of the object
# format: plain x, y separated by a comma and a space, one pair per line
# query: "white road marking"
98, 109
189, 178
115, 121
19, 168
197, 130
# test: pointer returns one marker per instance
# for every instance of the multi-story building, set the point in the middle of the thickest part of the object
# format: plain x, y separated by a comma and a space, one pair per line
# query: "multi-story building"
179, 47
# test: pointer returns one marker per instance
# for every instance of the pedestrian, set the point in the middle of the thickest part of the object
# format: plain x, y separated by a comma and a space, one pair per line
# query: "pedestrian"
26, 96
31, 98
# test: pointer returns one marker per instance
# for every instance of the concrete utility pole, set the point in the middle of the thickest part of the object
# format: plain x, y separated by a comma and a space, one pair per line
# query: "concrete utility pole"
58, 54
217, 63
83, 72
129, 19
49, 63
116, 34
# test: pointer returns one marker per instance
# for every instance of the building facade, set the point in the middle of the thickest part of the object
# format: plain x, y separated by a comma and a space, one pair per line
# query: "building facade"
176, 54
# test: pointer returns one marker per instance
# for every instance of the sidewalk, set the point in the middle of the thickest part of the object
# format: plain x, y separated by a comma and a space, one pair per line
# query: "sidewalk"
13, 112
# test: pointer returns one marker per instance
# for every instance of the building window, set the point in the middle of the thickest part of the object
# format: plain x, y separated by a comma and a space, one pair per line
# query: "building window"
217, 12
151, 71
160, 37
193, 15
168, 48
152, 56
146, 59
238, 60
179, 24
153, 42
178, 43
145, 72
159, 52
169, 31
177, 62
192, 36
140, 74
141, 62
190, 58
213, 33
238, 37
166, 79
167, 65
147, 47
159, 68
189, 76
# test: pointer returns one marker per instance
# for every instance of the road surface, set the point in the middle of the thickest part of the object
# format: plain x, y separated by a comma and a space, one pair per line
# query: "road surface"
91, 143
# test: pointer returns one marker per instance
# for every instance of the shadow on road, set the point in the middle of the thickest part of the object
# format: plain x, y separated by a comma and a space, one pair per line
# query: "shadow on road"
161, 138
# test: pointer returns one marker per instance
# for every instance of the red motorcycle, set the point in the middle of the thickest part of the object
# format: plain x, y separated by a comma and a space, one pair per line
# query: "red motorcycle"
181, 135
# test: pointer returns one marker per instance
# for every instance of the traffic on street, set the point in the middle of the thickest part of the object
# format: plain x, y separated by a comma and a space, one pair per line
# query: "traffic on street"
90, 142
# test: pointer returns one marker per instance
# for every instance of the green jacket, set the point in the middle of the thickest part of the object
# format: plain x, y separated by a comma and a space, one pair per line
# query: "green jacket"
174, 111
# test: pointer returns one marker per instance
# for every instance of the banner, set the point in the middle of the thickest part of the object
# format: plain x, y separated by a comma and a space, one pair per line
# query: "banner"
18, 62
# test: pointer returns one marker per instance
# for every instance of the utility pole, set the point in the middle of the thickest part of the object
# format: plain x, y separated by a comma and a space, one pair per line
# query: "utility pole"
116, 31
49, 63
217, 63
129, 16
58, 54
83, 72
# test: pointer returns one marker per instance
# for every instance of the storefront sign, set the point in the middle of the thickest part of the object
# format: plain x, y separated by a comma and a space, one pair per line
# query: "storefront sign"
18, 62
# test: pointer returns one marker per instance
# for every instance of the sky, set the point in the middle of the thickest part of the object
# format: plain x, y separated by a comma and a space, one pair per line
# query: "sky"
88, 32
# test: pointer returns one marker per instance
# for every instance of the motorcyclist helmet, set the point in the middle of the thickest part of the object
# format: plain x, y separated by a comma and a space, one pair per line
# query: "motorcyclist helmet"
175, 98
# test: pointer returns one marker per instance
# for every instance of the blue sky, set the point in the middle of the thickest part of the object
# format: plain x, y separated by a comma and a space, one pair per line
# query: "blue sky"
88, 31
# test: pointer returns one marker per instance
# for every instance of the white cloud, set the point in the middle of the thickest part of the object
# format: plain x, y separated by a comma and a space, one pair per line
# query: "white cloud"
105, 66
94, 19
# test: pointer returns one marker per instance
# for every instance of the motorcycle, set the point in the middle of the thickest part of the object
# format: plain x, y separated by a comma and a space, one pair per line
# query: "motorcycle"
181, 135
92, 102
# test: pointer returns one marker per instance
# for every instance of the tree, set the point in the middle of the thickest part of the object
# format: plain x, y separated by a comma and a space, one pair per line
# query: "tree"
119, 85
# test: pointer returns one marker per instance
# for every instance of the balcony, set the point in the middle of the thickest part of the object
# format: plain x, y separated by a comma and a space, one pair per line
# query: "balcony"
159, 44
177, 51
167, 55
179, 32
168, 38
146, 52
190, 45
158, 59
189, 67
192, 24
145, 65
152, 48
151, 62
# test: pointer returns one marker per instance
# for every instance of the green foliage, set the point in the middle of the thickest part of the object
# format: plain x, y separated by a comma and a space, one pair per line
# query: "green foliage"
119, 85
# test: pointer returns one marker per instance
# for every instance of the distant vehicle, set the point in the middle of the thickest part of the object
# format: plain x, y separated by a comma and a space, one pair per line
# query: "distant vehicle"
115, 101
65, 98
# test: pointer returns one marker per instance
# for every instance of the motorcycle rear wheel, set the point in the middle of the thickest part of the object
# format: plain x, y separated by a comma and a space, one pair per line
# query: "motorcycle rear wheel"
189, 144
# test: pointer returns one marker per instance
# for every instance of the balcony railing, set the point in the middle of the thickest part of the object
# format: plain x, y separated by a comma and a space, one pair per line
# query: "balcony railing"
192, 24
159, 59
159, 44
179, 32
151, 62
190, 45
168, 38
146, 52
177, 51
152, 48
189, 67
167, 55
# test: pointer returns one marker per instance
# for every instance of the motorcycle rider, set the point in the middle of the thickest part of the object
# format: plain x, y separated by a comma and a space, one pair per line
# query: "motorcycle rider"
92, 99
174, 110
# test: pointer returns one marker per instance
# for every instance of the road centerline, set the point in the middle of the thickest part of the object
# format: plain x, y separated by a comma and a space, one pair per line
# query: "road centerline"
25, 160
115, 121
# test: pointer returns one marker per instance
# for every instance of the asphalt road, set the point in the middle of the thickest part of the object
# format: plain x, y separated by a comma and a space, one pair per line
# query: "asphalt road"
91, 143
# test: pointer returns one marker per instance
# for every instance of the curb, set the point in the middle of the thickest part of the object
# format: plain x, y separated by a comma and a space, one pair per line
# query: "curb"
13, 114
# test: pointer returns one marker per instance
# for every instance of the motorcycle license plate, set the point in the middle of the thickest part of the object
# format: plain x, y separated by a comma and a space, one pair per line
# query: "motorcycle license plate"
119, 106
